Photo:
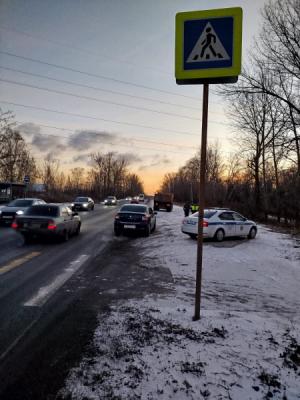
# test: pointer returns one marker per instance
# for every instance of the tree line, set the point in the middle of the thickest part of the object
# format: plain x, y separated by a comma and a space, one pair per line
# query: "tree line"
263, 178
109, 173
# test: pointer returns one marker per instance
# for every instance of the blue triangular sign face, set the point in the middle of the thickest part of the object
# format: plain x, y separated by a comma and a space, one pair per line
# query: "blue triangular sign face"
208, 47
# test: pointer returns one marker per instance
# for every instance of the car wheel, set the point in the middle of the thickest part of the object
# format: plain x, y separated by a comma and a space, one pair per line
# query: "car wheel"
117, 232
77, 230
219, 235
193, 235
27, 239
65, 237
154, 227
252, 233
148, 231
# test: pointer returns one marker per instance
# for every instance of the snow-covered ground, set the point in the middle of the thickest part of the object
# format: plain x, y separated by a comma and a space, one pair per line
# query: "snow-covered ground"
245, 346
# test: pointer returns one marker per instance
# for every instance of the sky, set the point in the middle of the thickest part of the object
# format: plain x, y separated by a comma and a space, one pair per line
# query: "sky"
84, 76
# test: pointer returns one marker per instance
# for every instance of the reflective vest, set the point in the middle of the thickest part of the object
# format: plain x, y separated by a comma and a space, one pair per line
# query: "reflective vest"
194, 207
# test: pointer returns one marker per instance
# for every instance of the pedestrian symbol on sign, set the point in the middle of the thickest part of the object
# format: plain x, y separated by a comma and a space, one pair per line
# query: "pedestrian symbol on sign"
208, 47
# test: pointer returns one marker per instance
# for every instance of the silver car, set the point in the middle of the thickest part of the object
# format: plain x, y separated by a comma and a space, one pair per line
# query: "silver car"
17, 207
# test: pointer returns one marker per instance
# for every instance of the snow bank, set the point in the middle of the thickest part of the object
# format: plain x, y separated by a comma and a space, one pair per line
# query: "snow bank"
244, 347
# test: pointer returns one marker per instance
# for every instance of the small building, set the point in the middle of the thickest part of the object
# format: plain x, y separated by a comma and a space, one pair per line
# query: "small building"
11, 190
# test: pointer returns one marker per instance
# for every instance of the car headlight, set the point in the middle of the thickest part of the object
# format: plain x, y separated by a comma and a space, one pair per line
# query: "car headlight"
85, 204
20, 212
105, 201
113, 201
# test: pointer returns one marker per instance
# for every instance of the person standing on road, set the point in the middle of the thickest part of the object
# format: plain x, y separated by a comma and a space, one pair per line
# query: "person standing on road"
186, 208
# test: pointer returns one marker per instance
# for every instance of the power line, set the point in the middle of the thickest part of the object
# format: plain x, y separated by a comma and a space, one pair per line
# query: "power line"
132, 138
99, 119
80, 49
99, 89
109, 120
96, 75
98, 100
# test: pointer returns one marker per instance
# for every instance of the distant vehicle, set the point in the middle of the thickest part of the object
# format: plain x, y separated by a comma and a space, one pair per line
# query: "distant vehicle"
48, 220
83, 203
136, 218
141, 198
219, 224
128, 198
163, 201
111, 201
135, 200
16, 207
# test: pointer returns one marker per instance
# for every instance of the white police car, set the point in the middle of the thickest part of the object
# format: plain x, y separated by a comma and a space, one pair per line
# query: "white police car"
219, 223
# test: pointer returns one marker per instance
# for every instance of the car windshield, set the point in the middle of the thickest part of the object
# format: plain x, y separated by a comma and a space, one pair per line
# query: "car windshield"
132, 208
82, 199
111, 198
20, 203
207, 214
43, 211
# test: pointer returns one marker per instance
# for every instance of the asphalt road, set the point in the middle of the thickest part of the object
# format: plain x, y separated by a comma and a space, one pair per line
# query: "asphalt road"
50, 298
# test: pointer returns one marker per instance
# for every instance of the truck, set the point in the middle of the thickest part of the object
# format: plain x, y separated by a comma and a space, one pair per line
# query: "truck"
163, 201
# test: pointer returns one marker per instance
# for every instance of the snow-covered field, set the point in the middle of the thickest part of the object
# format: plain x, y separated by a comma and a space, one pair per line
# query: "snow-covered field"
245, 346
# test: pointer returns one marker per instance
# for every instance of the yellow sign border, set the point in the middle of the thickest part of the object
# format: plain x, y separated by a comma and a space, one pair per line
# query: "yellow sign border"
234, 70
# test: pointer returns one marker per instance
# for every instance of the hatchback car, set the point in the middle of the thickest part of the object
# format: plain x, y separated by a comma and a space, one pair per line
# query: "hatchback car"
17, 207
48, 220
218, 224
135, 218
83, 203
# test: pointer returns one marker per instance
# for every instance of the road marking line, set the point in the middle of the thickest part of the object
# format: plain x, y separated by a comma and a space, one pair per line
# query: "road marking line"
45, 292
19, 261
17, 340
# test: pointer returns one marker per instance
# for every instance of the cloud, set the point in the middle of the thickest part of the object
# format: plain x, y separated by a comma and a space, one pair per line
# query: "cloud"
87, 139
157, 161
131, 158
83, 158
29, 128
48, 143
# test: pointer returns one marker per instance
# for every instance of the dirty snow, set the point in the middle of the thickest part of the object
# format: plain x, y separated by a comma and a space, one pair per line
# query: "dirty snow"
245, 346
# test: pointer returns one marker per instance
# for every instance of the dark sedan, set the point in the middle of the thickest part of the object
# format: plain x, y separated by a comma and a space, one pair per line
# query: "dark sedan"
15, 208
135, 218
83, 203
48, 220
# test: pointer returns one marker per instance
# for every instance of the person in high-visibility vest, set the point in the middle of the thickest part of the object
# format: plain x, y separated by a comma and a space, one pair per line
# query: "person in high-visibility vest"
194, 208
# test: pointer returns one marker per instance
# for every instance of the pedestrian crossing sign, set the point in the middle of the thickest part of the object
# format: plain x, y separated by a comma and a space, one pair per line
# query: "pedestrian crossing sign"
208, 46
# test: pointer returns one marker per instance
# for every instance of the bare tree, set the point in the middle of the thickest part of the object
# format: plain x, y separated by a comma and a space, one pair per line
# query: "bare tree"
15, 159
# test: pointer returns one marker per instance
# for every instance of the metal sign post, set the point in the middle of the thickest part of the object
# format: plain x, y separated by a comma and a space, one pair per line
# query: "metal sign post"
201, 202
208, 51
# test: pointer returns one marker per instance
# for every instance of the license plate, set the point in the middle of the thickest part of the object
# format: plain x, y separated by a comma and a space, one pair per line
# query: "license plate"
30, 225
6, 217
129, 226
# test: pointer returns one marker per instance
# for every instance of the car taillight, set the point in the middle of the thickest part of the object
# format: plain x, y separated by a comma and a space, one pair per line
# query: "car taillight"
14, 225
51, 226
145, 217
205, 224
